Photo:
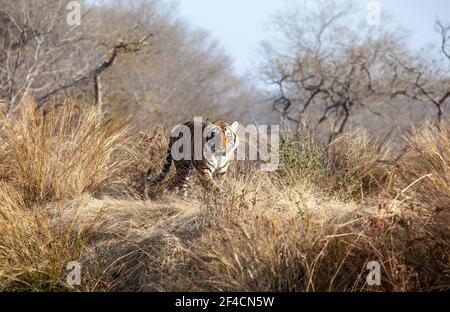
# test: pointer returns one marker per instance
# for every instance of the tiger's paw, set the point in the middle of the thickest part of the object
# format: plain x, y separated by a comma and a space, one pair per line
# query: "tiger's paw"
219, 190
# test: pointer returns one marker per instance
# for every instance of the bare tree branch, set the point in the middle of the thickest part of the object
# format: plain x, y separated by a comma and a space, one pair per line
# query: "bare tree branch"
94, 74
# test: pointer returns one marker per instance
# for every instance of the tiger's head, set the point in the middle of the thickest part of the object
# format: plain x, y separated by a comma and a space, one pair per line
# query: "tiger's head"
221, 140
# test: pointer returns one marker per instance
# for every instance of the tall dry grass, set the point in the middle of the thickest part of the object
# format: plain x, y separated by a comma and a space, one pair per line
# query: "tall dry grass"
47, 157
35, 247
63, 152
351, 167
357, 164
260, 237
427, 158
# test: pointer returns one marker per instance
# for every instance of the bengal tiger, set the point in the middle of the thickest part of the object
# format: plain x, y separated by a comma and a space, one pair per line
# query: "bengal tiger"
217, 142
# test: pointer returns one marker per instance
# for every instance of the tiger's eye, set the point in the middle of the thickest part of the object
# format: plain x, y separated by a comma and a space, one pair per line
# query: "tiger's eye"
211, 136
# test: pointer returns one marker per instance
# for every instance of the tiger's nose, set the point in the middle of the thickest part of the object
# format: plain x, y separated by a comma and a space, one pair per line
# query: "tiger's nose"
220, 152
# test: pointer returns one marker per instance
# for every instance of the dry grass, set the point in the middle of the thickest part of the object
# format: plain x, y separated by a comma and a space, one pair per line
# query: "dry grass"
71, 190
63, 153
351, 167
357, 165
35, 246
427, 157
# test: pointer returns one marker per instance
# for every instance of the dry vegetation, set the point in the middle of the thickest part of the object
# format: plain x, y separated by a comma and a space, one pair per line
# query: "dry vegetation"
71, 190
72, 173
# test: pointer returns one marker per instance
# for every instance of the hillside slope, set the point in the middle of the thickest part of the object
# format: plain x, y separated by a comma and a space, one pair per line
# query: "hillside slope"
72, 190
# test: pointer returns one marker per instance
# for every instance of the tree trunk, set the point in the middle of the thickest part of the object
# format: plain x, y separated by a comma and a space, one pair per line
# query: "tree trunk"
98, 92
440, 116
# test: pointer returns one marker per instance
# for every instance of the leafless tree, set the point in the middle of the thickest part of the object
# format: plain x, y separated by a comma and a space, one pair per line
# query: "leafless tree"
185, 74
444, 31
425, 78
327, 61
179, 71
41, 53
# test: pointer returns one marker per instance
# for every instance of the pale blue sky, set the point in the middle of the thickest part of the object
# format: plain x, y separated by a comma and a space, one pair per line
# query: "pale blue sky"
240, 25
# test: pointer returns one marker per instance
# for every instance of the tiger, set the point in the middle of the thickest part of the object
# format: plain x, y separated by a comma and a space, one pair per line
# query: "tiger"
218, 141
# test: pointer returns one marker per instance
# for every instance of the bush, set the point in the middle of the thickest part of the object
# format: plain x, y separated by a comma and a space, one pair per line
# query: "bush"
351, 166
357, 165
301, 156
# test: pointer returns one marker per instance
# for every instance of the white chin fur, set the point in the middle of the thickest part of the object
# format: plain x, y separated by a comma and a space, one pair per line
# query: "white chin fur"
216, 162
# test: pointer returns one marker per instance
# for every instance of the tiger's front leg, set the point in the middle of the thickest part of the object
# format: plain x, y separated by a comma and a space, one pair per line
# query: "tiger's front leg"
181, 178
207, 180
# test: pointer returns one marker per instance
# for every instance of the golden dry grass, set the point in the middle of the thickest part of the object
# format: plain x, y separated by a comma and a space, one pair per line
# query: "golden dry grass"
427, 157
63, 153
72, 190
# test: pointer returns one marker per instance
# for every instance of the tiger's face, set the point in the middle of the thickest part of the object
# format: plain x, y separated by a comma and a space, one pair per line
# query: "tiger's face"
221, 140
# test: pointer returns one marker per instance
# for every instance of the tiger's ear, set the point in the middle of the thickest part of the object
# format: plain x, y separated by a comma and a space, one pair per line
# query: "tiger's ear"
234, 126
208, 121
